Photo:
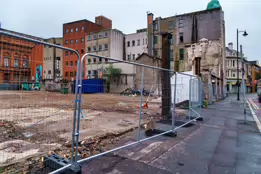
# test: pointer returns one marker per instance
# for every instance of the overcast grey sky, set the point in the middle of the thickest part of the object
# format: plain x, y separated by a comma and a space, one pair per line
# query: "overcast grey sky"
44, 18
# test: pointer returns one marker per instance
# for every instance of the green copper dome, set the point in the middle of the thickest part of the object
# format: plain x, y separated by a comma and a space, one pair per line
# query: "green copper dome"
213, 4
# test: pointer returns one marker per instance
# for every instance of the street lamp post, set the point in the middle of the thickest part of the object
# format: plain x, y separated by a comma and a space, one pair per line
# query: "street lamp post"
238, 86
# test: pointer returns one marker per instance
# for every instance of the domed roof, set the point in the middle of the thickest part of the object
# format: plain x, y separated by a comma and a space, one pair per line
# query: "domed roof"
213, 4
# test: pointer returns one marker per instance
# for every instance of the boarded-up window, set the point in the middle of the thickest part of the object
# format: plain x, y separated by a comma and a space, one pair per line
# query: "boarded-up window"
197, 66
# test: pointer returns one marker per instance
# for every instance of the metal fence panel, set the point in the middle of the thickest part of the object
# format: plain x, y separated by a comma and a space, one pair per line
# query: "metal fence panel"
148, 104
33, 122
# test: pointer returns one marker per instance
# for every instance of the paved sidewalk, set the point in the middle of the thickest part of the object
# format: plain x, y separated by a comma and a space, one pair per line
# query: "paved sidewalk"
222, 144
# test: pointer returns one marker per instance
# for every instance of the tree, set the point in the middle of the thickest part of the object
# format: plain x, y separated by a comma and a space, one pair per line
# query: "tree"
258, 76
112, 74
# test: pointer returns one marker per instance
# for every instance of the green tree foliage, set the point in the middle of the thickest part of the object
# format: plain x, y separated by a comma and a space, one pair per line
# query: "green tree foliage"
112, 74
258, 76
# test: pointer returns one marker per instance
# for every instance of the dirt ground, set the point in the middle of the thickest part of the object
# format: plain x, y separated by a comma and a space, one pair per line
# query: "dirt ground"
37, 122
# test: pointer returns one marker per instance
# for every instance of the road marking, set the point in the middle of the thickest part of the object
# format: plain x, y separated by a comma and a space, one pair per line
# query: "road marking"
253, 104
255, 117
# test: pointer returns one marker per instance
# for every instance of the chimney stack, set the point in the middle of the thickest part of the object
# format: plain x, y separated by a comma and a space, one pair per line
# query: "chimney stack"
230, 45
150, 32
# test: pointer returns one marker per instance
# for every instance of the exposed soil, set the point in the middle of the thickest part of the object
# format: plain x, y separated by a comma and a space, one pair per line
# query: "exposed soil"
35, 123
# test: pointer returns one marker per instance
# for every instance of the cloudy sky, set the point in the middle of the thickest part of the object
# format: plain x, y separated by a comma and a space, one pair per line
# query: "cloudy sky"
44, 18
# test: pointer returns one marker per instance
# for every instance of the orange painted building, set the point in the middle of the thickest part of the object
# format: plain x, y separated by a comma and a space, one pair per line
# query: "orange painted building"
74, 37
255, 71
19, 59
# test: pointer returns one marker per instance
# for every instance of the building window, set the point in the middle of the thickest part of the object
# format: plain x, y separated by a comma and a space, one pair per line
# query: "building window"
233, 74
138, 44
128, 57
94, 36
94, 60
181, 24
71, 74
155, 26
138, 55
133, 56
128, 44
25, 63
181, 54
82, 28
89, 49
49, 72
133, 43
6, 62
106, 60
100, 35
197, 66
71, 30
67, 31
105, 46
71, 41
76, 29
155, 39
66, 42
171, 40
233, 63
94, 72
66, 74
171, 55
89, 72
105, 34
89, 37
100, 47
76, 40
181, 37
71, 53
82, 51
100, 60
171, 25
71, 63
66, 53
155, 52
82, 40
16, 63
89, 60
66, 63
94, 48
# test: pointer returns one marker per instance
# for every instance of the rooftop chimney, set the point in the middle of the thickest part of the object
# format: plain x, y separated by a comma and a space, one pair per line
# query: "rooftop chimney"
230, 45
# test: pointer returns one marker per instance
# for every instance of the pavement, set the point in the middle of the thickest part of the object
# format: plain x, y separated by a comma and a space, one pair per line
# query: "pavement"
226, 142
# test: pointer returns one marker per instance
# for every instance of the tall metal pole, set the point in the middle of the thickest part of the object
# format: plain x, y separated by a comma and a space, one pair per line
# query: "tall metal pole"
237, 71
243, 83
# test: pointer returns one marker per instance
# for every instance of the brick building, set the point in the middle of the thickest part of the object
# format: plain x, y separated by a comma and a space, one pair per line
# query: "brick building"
74, 34
20, 59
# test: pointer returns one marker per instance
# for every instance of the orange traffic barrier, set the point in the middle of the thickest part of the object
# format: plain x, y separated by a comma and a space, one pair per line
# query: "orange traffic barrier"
144, 106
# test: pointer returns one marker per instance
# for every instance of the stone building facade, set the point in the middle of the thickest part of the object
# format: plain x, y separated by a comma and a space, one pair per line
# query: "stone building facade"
53, 60
198, 44
152, 77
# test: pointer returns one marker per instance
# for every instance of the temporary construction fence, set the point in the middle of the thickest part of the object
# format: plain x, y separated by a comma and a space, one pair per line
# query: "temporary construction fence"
32, 122
142, 111
36, 122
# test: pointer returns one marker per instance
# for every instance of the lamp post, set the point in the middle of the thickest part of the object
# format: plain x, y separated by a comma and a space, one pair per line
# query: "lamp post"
238, 86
